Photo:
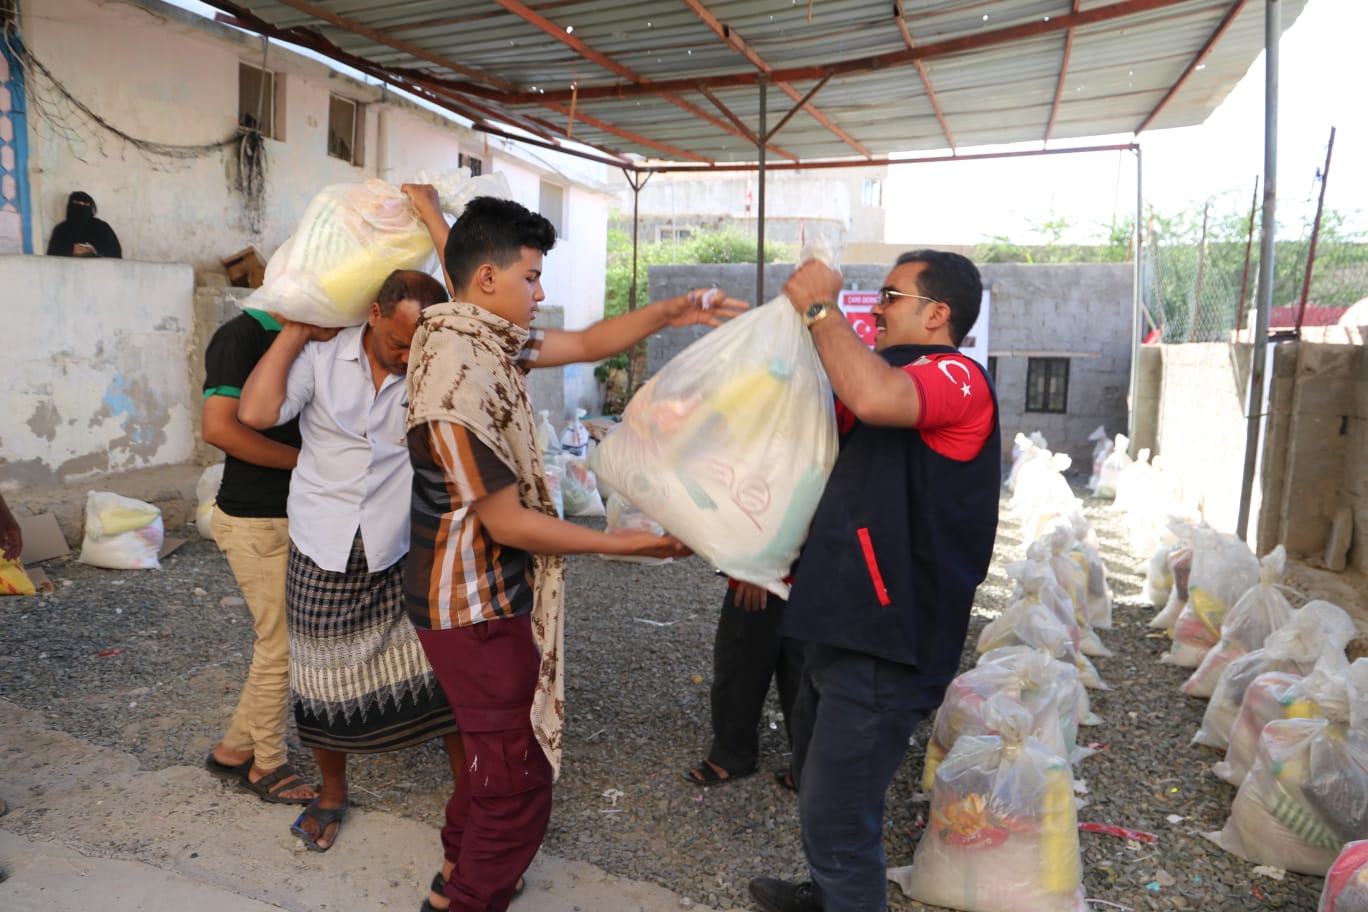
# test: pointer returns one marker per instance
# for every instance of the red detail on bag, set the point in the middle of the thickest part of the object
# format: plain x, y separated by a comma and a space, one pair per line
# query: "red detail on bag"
985, 838
875, 576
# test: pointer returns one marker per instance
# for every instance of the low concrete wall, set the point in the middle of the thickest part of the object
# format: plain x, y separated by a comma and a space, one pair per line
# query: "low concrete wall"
95, 379
1079, 311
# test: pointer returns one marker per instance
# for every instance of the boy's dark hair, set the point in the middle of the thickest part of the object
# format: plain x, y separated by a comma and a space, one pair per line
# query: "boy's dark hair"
953, 279
409, 285
494, 231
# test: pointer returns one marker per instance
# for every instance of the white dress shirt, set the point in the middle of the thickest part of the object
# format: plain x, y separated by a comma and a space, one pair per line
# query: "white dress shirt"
354, 469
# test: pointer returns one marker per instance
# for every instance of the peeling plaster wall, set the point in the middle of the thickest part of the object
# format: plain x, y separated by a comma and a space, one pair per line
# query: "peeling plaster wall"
95, 379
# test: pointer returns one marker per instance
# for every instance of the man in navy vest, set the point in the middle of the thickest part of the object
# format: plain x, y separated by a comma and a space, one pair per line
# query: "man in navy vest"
902, 537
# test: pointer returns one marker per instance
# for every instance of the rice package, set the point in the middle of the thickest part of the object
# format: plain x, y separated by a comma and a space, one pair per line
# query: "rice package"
350, 238
1003, 831
1255, 615
1315, 630
729, 446
1306, 795
1346, 883
1223, 569
206, 496
1048, 688
121, 533
1280, 695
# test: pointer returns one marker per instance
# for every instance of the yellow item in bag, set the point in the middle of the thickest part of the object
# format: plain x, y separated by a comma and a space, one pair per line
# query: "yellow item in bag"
13, 579
1060, 866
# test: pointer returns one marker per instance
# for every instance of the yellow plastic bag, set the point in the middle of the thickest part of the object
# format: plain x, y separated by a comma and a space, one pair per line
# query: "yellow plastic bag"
13, 579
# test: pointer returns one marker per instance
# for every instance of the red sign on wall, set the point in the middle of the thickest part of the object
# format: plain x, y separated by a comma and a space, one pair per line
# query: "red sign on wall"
856, 305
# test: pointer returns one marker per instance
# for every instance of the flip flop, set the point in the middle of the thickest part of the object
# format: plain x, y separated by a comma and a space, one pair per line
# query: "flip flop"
438, 886
324, 817
281, 779
224, 771
703, 774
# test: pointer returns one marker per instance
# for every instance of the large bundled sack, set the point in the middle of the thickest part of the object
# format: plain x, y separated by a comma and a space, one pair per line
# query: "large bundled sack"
1223, 569
206, 499
1024, 449
1112, 466
1306, 795
1029, 622
1135, 484
350, 238
1280, 695
1087, 551
1102, 448
1057, 549
1180, 567
1159, 575
1003, 831
579, 488
1346, 883
1255, 615
1043, 496
121, 533
729, 446
1315, 630
1047, 687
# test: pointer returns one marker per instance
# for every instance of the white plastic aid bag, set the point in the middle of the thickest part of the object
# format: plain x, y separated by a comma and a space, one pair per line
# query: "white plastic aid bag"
580, 488
1028, 622
121, 533
1112, 466
729, 446
350, 238
1223, 569
1256, 614
623, 517
1002, 835
575, 438
206, 496
1346, 883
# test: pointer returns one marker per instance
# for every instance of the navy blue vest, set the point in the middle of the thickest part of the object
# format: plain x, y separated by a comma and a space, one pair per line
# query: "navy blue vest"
901, 539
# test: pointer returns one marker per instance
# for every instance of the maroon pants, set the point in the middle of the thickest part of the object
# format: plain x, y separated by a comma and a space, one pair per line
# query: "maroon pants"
498, 815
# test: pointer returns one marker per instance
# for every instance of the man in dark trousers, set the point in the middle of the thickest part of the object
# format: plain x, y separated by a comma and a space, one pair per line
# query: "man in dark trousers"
902, 537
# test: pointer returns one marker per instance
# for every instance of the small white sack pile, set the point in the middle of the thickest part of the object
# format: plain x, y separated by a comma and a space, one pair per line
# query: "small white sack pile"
730, 444
1003, 830
121, 533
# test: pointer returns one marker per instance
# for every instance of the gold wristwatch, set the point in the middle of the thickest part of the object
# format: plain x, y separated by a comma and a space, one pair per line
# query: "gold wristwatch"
817, 311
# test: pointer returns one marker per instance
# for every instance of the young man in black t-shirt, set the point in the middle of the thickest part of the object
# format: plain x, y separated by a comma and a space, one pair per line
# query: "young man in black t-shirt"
252, 532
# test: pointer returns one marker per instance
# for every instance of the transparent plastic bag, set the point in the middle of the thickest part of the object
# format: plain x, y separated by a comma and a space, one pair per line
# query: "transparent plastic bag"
1159, 575
1003, 829
1024, 449
1048, 688
580, 489
1180, 566
1256, 614
1223, 569
206, 496
1346, 883
121, 533
1317, 629
1102, 448
1112, 466
1028, 622
575, 438
729, 446
1305, 797
622, 516
350, 238
1071, 574
1087, 551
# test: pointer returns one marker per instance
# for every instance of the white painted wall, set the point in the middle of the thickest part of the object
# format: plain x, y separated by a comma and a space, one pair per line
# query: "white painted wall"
94, 374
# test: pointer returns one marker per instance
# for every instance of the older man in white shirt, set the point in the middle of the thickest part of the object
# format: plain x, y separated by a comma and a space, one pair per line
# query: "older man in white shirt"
359, 680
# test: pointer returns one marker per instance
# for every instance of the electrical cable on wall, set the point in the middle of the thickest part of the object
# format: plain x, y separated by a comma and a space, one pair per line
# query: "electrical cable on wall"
73, 122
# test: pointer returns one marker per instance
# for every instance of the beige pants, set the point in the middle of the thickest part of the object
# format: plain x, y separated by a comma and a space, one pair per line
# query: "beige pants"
257, 550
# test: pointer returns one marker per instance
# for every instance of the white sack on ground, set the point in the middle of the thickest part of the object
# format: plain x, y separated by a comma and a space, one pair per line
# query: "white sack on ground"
121, 533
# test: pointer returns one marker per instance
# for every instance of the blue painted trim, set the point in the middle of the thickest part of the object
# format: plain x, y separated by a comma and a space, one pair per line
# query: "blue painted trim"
19, 120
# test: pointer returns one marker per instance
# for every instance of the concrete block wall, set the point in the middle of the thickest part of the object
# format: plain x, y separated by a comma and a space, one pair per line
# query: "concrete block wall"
1355, 485
1081, 311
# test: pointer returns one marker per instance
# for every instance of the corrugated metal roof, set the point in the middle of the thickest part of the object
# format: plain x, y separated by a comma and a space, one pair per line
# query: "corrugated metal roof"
678, 80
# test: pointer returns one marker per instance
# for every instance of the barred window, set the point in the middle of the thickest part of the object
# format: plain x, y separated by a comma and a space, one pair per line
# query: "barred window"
1047, 385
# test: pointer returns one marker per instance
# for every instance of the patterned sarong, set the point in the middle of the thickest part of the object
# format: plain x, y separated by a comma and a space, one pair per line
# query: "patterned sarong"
359, 680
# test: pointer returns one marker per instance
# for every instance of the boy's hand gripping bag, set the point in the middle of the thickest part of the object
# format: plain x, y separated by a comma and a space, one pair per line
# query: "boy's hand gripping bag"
729, 446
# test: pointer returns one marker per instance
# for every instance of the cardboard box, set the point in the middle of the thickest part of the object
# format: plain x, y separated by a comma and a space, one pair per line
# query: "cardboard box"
43, 539
244, 268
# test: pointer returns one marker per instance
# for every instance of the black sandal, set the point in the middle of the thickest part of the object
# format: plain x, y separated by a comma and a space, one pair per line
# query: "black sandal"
224, 771
703, 774
438, 886
281, 779
324, 817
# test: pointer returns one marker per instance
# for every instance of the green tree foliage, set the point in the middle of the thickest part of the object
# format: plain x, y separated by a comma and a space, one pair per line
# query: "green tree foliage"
726, 246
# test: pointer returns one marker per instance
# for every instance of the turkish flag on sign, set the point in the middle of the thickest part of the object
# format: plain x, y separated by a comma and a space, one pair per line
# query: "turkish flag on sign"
863, 321
857, 306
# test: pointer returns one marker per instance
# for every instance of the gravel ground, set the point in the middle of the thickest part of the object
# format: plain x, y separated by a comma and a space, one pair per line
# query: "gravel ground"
151, 663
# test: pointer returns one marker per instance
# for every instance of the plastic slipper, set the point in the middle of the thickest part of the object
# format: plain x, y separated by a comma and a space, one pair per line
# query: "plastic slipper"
224, 771
281, 779
324, 817
703, 774
438, 886
785, 778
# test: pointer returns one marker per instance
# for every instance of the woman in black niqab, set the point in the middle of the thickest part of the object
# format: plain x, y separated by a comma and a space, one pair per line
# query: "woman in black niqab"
82, 234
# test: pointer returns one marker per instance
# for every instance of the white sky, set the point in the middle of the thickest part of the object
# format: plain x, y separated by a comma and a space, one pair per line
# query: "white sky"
1320, 70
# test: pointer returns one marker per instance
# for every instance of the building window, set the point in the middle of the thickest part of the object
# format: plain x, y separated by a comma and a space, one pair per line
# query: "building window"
673, 234
992, 369
1047, 385
476, 165
345, 119
553, 206
871, 194
257, 100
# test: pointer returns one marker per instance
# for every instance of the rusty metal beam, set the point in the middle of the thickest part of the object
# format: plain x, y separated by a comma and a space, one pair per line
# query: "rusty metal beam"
1196, 61
742, 47
1063, 75
864, 65
801, 104
632, 137
925, 77
727, 113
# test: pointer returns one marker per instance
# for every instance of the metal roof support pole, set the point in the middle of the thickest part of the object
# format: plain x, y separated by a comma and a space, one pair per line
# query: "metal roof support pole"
1259, 344
1138, 299
762, 136
636, 361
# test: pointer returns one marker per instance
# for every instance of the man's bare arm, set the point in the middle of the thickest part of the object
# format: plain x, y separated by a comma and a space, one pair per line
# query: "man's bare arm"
223, 430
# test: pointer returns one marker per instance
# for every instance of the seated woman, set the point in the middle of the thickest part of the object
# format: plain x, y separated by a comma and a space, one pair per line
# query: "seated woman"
82, 234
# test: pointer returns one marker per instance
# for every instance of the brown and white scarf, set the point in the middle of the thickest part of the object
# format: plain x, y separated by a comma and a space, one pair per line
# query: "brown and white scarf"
463, 369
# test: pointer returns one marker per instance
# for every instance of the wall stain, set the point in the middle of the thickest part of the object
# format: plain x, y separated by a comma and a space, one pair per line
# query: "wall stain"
88, 464
144, 418
44, 420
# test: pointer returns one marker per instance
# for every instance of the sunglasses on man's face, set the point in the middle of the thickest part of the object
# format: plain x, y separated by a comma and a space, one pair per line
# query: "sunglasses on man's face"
888, 293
